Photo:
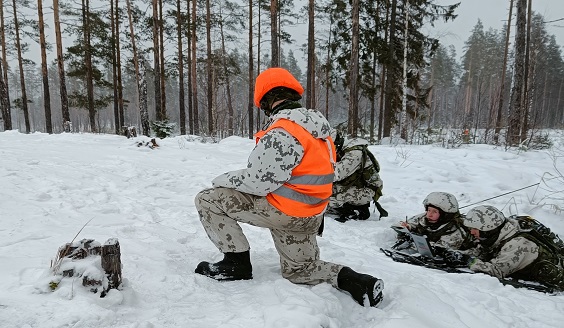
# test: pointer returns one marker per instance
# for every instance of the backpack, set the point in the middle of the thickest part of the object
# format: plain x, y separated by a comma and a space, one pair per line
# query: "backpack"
548, 267
366, 176
541, 233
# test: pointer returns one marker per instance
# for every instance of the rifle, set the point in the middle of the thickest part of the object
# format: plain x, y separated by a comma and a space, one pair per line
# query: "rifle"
438, 263
404, 240
416, 259
529, 285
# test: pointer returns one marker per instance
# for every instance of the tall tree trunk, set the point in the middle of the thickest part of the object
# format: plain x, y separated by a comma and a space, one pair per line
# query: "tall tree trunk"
328, 67
117, 122
230, 110
403, 115
3, 102
383, 86
22, 77
7, 111
527, 94
118, 68
144, 107
373, 97
516, 112
143, 112
250, 105
195, 69
44, 74
275, 51
353, 73
504, 69
258, 127
88, 65
391, 75
310, 85
431, 97
209, 69
156, 62
162, 60
61, 68
558, 102
468, 93
381, 113
189, 65
181, 106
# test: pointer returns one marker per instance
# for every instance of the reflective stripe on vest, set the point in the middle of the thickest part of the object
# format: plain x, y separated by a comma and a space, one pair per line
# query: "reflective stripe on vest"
308, 190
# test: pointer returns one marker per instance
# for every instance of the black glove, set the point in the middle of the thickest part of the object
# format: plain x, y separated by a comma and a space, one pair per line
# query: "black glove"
440, 251
456, 258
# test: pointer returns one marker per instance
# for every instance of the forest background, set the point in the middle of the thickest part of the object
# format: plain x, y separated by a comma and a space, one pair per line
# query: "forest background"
187, 67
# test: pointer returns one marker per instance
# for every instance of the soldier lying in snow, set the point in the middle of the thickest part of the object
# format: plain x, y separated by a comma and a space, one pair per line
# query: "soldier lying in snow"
506, 249
441, 223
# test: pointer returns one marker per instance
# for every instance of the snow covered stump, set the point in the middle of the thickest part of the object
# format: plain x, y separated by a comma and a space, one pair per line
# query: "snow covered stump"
111, 263
97, 265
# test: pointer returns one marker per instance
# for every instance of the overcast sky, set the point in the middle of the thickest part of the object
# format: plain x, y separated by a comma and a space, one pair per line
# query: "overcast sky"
493, 13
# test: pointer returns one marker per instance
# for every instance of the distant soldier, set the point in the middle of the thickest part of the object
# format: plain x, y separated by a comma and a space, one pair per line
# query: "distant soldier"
357, 180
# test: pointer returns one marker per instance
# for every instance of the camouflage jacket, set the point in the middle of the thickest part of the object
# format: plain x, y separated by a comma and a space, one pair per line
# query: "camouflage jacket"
351, 160
509, 254
344, 168
277, 153
450, 235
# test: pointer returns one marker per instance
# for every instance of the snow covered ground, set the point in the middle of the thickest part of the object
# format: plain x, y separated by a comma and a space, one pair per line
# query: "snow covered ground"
51, 185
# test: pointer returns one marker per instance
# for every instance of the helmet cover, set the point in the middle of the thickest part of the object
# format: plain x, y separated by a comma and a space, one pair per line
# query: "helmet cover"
484, 218
443, 201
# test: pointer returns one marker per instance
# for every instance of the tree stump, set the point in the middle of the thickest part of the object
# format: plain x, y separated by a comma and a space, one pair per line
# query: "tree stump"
129, 131
106, 271
111, 263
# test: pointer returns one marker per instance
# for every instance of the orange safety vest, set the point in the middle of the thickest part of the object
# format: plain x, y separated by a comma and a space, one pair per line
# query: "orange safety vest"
310, 186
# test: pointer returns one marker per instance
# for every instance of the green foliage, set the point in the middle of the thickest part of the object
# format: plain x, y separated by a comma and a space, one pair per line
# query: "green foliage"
163, 129
80, 100
539, 142
53, 285
18, 102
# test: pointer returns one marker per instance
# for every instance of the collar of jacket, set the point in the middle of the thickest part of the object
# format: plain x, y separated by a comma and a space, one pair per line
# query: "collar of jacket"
286, 104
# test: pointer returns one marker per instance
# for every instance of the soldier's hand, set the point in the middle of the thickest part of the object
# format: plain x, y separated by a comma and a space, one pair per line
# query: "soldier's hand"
440, 251
456, 258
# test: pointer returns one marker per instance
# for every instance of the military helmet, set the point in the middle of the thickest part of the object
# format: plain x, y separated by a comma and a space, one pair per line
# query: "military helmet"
443, 201
275, 78
484, 218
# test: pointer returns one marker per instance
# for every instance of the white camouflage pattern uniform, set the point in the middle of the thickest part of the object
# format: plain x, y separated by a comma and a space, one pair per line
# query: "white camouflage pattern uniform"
513, 256
449, 240
446, 235
239, 196
345, 167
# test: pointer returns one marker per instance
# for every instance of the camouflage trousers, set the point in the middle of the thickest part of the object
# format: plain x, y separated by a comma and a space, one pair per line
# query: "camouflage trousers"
221, 210
352, 195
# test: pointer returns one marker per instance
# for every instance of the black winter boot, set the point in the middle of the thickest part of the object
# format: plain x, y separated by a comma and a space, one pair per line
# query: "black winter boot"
362, 287
345, 212
353, 212
363, 211
234, 266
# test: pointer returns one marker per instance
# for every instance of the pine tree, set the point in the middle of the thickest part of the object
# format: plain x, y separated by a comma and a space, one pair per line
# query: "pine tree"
21, 102
61, 69
6, 110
